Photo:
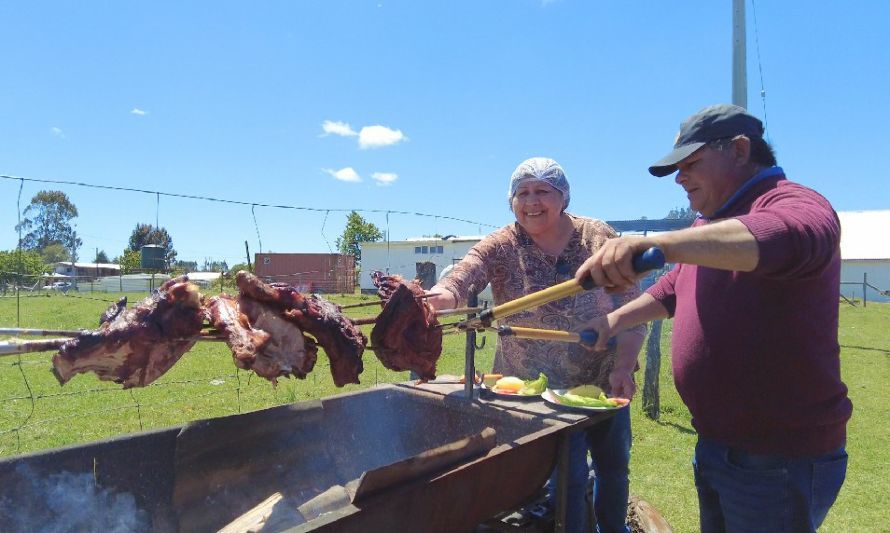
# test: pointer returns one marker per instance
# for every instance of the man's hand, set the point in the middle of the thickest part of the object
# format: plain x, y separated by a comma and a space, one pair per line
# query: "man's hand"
611, 266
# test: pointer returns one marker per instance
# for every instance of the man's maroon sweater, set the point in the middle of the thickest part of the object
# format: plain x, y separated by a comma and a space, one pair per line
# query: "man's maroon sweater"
755, 354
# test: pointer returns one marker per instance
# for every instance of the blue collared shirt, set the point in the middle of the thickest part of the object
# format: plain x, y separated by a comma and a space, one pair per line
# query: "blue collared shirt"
764, 174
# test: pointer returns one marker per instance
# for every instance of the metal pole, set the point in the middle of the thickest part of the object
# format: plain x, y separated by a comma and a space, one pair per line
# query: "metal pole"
470, 362
739, 56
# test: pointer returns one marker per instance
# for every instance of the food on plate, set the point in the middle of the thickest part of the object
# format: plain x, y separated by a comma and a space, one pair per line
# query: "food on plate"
508, 385
600, 401
514, 385
534, 387
591, 391
135, 347
406, 335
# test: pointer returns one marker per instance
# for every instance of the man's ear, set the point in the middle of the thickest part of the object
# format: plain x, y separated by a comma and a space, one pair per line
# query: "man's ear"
741, 150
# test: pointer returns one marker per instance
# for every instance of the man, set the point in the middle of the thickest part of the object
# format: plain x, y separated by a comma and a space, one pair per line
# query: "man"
754, 297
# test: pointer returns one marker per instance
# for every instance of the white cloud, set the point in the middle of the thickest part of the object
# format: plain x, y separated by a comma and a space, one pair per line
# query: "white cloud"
344, 174
137, 111
57, 132
337, 128
384, 178
377, 136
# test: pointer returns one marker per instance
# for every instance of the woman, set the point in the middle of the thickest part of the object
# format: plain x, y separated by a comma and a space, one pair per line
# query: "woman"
543, 247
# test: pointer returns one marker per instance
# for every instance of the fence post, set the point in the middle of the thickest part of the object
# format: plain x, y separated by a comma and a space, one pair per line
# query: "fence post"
864, 288
653, 367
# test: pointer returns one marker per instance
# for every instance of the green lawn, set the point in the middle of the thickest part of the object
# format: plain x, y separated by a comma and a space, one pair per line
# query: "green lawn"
36, 413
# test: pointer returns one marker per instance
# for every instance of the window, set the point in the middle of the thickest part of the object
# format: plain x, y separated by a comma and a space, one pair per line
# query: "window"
417, 249
424, 249
440, 249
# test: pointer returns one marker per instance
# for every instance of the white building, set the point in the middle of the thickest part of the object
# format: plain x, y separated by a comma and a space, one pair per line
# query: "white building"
424, 258
865, 254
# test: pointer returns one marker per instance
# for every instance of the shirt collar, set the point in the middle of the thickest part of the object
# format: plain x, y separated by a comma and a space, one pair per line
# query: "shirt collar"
763, 175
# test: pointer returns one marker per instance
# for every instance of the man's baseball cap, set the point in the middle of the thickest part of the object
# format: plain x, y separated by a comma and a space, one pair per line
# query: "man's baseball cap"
714, 122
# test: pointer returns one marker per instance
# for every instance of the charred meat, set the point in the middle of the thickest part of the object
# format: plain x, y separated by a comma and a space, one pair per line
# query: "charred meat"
135, 347
341, 340
406, 335
261, 339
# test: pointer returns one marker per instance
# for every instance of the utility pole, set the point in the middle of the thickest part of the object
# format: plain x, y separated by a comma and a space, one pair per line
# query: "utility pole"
739, 55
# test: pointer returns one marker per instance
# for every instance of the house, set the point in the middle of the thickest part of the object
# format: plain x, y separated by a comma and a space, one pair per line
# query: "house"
422, 258
865, 254
321, 273
86, 271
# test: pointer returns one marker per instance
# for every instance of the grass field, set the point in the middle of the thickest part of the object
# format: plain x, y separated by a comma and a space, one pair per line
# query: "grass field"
36, 413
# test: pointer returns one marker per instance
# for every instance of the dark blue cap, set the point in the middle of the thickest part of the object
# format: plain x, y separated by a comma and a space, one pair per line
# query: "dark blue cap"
721, 121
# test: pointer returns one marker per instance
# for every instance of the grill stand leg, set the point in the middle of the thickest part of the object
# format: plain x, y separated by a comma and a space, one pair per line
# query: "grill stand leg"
562, 483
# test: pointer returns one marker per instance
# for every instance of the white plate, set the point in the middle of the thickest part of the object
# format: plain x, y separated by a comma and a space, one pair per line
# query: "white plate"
551, 396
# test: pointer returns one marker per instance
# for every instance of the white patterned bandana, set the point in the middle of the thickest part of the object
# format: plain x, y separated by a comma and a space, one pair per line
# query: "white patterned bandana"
542, 169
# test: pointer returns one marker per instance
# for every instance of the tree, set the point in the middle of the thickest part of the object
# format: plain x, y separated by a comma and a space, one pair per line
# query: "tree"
211, 265
25, 262
682, 213
100, 257
55, 253
357, 230
130, 261
48, 221
148, 234
240, 266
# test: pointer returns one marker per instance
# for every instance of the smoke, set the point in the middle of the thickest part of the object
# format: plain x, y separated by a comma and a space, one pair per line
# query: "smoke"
66, 502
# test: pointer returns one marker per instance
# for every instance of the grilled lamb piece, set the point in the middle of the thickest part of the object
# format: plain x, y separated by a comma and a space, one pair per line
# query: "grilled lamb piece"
386, 285
342, 341
135, 347
260, 339
406, 335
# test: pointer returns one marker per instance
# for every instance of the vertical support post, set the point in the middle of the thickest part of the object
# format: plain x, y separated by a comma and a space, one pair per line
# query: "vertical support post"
864, 288
562, 483
739, 55
651, 403
470, 361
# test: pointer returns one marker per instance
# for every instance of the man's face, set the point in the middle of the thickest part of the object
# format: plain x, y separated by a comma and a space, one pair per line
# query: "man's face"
709, 177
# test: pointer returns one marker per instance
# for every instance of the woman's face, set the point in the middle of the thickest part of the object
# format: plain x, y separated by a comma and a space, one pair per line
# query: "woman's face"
537, 206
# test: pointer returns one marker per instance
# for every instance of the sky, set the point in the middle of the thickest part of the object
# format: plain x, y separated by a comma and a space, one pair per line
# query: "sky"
417, 107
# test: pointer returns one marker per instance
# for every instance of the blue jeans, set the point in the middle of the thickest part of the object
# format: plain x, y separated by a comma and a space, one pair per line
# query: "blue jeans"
740, 491
609, 446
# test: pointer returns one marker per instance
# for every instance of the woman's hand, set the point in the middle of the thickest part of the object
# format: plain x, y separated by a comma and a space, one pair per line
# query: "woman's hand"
622, 384
443, 298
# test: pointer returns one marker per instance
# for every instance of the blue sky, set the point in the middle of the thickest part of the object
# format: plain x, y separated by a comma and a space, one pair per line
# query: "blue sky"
417, 106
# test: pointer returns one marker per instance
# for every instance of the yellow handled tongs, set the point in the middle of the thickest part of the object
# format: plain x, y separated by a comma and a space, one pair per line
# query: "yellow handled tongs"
650, 259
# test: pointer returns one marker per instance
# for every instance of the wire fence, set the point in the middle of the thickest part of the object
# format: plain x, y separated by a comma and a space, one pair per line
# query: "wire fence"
37, 413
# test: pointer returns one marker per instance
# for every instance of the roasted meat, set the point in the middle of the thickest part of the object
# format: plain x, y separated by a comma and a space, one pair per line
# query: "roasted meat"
386, 284
261, 339
341, 340
406, 335
135, 347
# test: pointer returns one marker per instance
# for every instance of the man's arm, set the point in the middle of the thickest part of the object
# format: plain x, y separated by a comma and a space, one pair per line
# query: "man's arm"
620, 323
726, 245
